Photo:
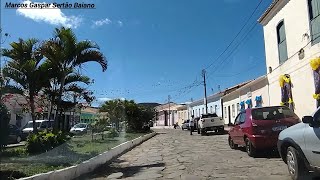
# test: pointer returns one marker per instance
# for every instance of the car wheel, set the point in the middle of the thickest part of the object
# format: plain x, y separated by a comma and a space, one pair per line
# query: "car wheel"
231, 143
18, 140
296, 166
251, 150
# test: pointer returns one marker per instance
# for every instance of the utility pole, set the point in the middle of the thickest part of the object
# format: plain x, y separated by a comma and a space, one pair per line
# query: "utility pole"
205, 89
169, 97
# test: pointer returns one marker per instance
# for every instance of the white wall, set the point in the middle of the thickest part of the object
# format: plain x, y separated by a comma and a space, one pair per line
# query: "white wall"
296, 19
257, 88
202, 106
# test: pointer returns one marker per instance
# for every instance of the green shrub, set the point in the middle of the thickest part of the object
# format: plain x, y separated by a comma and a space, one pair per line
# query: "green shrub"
113, 133
44, 141
4, 125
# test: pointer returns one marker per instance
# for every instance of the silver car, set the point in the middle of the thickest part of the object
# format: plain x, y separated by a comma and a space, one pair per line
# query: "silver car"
299, 146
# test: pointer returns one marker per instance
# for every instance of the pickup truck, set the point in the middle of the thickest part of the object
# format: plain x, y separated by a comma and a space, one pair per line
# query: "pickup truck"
210, 122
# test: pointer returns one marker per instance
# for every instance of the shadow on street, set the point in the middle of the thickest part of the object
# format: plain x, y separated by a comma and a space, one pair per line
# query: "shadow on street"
106, 170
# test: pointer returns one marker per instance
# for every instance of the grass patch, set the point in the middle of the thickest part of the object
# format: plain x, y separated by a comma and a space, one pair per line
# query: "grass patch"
75, 151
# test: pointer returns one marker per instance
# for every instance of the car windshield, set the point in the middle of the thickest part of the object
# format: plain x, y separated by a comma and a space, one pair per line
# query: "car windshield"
209, 115
80, 126
30, 124
272, 113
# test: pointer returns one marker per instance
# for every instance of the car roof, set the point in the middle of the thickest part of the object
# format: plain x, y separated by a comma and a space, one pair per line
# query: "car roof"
40, 120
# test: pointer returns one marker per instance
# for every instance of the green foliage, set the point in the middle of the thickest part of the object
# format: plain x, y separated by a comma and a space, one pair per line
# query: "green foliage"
4, 126
135, 117
44, 141
113, 133
14, 152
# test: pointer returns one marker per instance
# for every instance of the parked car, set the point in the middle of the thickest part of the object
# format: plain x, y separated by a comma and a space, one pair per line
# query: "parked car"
14, 134
259, 128
81, 128
40, 124
210, 122
185, 125
299, 146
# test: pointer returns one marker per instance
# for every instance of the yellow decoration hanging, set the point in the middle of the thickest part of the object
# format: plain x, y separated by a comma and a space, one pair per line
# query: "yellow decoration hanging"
315, 63
282, 104
290, 101
316, 96
283, 79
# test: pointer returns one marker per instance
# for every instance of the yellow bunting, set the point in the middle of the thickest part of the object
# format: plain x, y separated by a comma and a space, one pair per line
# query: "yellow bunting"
283, 79
315, 63
316, 96
290, 101
282, 104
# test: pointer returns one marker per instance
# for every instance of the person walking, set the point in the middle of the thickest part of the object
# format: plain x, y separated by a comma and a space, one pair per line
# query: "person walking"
191, 125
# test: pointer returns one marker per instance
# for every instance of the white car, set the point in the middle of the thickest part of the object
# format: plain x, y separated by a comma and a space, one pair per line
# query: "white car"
40, 124
81, 128
185, 125
299, 147
210, 122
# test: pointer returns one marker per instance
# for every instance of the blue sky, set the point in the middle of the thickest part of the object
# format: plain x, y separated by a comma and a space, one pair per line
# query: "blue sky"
155, 47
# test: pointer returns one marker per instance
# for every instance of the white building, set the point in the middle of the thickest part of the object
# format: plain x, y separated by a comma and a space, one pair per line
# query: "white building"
198, 107
167, 114
292, 35
19, 117
253, 94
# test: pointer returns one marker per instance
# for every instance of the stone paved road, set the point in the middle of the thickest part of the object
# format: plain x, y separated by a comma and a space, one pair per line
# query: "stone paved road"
174, 154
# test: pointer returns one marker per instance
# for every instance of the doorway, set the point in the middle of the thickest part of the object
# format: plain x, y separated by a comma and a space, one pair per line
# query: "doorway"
229, 114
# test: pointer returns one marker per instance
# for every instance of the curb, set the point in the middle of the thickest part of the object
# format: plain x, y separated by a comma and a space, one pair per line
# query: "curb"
85, 167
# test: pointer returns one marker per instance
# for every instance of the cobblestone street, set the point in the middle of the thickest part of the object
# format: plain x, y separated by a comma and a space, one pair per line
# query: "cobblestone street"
174, 154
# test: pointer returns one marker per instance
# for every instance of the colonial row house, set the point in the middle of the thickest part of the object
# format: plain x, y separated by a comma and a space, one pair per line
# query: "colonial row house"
20, 115
167, 114
292, 47
253, 94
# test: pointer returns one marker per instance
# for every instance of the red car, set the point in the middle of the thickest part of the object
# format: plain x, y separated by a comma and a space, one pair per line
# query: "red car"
258, 128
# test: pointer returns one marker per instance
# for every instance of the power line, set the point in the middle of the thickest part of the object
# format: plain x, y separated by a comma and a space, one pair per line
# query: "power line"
247, 21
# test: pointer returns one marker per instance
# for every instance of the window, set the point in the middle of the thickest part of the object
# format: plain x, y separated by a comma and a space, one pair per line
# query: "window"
225, 112
242, 118
273, 113
314, 11
202, 110
211, 109
282, 43
233, 111
238, 107
199, 113
215, 108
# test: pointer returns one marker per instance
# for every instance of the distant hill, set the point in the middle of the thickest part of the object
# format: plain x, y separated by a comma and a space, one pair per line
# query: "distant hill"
149, 105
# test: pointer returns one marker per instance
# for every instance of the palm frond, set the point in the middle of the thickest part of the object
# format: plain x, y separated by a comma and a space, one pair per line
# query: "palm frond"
92, 56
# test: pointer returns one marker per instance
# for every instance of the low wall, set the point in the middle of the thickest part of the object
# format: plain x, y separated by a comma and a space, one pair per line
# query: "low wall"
91, 164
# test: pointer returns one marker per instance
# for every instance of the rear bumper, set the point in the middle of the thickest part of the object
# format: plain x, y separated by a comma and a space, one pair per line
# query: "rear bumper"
212, 128
264, 141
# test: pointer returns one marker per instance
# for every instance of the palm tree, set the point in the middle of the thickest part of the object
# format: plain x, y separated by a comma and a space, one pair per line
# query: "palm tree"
66, 53
71, 88
26, 71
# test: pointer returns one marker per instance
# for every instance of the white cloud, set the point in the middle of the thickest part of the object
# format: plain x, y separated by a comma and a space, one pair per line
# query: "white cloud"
52, 15
120, 23
103, 99
102, 22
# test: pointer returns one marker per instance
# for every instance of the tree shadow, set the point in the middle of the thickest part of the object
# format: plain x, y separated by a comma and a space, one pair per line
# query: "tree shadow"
62, 155
107, 169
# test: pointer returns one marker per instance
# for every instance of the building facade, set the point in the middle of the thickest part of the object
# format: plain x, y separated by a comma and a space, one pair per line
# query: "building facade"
292, 35
253, 94
197, 108
167, 114
183, 115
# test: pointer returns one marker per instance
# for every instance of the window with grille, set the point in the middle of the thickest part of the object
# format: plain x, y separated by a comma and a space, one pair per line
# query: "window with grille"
314, 13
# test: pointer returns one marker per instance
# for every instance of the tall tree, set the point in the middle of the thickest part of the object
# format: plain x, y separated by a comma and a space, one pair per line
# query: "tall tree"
65, 53
26, 71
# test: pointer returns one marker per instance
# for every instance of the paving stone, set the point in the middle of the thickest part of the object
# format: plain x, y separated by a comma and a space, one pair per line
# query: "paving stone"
117, 175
